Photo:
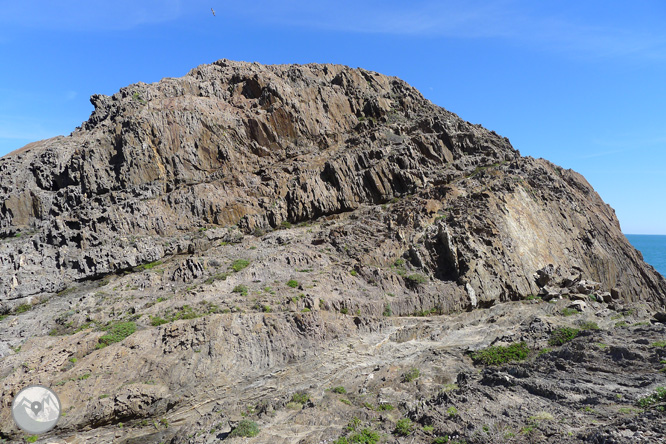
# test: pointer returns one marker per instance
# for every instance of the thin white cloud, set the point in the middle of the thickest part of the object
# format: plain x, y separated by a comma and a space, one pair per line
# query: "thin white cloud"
516, 21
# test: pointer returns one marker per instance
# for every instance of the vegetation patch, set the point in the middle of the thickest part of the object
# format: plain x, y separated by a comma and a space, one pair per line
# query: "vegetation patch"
365, 436
245, 429
562, 335
239, 264
403, 427
148, 266
651, 401
293, 283
300, 397
411, 375
589, 325
498, 354
115, 333
242, 289
569, 312
217, 277
22, 308
341, 390
417, 278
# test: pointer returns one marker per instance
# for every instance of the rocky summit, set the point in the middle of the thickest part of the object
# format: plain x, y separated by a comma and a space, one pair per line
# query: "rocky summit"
315, 253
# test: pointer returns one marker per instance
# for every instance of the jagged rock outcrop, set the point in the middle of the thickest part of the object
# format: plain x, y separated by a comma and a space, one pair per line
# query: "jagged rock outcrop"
254, 146
225, 239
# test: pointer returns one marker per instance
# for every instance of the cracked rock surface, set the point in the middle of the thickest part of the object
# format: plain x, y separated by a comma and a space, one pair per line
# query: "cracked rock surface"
203, 248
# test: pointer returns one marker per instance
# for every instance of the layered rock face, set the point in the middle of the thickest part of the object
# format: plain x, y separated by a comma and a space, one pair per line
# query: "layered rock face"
289, 245
255, 146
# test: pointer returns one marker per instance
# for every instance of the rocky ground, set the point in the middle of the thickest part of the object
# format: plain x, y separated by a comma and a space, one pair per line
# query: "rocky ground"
206, 355
317, 254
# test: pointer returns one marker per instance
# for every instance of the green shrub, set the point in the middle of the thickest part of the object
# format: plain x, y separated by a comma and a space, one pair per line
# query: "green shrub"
22, 308
285, 224
344, 310
452, 412
353, 273
365, 436
341, 390
246, 429
497, 354
186, 312
148, 266
300, 397
116, 333
242, 289
569, 312
387, 310
417, 278
659, 396
216, 277
403, 427
294, 405
411, 375
353, 424
239, 264
385, 407
292, 283
562, 335
306, 310
659, 344
589, 325
441, 440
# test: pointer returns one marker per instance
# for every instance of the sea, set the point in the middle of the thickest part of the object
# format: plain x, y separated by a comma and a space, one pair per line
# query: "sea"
653, 248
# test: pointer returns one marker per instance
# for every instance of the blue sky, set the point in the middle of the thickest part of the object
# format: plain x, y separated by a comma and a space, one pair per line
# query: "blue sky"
582, 84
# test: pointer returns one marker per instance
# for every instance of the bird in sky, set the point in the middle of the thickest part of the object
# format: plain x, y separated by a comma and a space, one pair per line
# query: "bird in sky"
213, 11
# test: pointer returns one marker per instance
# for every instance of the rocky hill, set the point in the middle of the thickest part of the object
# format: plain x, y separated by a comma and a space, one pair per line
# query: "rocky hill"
229, 246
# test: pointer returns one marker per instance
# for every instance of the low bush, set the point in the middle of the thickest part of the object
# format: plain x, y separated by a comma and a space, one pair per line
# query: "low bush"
341, 390
239, 264
300, 397
403, 427
497, 354
411, 375
417, 278
658, 397
292, 283
116, 333
562, 335
569, 312
245, 429
242, 289
589, 325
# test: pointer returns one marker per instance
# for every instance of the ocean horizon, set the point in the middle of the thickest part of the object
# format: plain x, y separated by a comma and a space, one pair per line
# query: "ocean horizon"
653, 247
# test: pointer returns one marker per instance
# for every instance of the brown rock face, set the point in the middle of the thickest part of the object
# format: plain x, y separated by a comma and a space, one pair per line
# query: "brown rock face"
254, 146
204, 248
